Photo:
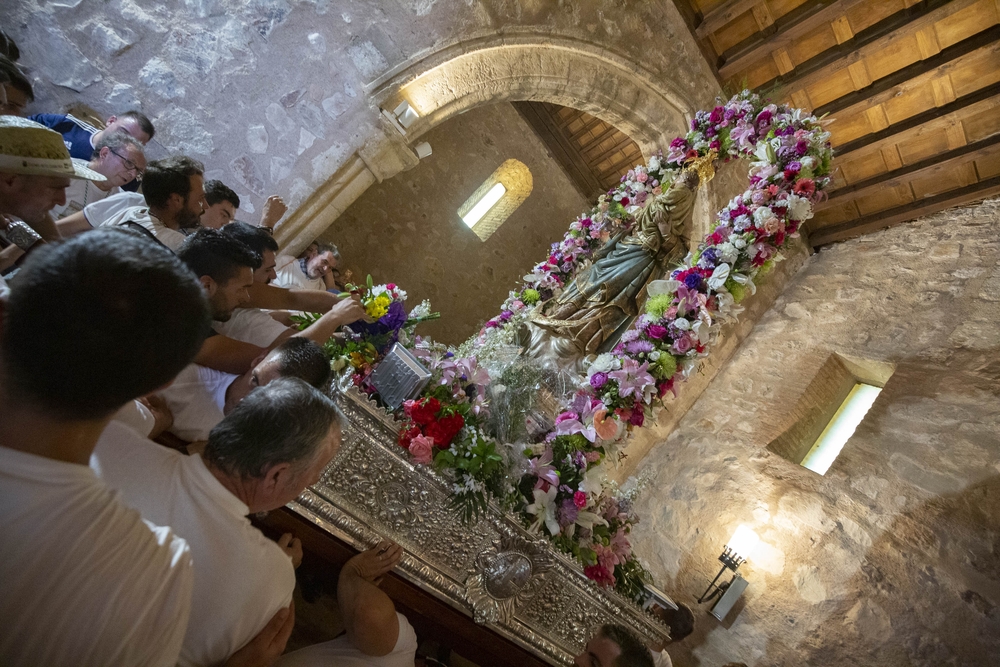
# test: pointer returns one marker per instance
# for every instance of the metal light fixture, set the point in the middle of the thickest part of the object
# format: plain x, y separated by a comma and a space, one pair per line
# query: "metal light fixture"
737, 551
402, 117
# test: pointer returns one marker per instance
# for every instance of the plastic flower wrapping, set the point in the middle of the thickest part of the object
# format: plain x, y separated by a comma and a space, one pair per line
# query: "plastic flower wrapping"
540, 452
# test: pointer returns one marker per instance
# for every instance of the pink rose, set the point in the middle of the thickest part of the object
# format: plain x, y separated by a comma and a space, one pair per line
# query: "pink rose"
580, 499
422, 449
682, 345
656, 331
641, 177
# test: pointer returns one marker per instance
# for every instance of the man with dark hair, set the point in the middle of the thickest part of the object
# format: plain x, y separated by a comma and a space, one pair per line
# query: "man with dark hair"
614, 646
681, 624
16, 92
81, 137
119, 158
222, 205
175, 199
200, 397
90, 324
273, 445
224, 266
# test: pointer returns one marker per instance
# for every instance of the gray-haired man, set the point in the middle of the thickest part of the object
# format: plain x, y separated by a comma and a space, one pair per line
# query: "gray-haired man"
273, 445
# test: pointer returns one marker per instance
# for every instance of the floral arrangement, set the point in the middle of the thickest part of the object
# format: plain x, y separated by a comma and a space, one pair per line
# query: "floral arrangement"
559, 492
366, 342
790, 163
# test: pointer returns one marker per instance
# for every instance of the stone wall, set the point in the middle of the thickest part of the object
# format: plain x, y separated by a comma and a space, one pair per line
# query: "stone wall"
275, 96
407, 230
893, 557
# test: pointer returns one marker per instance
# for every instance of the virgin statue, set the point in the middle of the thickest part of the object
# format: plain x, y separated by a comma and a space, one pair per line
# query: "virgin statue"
592, 311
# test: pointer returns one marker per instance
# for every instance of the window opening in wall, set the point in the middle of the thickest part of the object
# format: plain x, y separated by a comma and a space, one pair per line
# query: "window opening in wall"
497, 198
841, 428
483, 206
828, 411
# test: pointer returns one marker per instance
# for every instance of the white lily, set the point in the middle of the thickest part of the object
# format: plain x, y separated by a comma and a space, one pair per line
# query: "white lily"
544, 509
658, 287
718, 277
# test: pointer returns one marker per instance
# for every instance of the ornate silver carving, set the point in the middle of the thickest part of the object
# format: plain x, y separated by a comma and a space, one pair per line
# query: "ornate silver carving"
494, 570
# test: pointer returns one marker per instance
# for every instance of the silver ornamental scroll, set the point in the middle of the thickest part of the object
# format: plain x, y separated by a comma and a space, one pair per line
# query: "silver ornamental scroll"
494, 570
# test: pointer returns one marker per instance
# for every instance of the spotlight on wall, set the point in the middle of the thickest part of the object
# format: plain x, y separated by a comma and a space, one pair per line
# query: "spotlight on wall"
402, 117
737, 551
423, 149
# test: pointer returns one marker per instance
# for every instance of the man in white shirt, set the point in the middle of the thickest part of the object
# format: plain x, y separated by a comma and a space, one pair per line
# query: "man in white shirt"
119, 158
273, 445
307, 272
90, 324
200, 397
174, 199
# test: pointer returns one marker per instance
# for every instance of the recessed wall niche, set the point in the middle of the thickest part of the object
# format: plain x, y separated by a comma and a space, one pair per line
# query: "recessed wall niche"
823, 401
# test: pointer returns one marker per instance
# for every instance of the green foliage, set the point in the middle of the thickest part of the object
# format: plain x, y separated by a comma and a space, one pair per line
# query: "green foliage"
658, 305
530, 296
738, 291
664, 367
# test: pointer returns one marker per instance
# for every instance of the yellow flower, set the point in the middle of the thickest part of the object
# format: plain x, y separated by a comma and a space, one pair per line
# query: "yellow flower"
378, 306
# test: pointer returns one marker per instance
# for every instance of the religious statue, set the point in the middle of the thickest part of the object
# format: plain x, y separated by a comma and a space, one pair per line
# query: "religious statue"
591, 312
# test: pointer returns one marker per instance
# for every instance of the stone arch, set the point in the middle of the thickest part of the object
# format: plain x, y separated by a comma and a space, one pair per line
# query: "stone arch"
485, 70
552, 69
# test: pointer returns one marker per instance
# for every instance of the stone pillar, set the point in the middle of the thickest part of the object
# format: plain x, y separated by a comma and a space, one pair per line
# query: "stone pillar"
376, 161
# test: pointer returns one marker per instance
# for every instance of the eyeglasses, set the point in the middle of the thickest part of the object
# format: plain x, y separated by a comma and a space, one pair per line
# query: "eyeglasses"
132, 166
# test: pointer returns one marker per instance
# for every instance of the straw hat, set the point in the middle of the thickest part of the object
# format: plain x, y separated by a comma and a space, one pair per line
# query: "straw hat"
29, 148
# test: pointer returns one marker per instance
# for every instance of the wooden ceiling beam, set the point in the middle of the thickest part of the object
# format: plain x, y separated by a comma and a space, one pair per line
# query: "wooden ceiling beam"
692, 18
722, 15
914, 76
587, 127
870, 41
543, 122
949, 114
916, 209
938, 164
782, 33
606, 153
598, 140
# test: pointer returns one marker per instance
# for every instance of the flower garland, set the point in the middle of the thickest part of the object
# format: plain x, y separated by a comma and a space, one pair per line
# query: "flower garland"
560, 494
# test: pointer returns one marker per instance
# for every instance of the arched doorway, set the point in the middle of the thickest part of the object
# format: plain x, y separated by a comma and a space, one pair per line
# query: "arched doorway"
484, 70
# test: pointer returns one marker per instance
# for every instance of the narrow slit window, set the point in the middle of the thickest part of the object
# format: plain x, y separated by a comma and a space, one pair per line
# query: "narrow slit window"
836, 434
497, 198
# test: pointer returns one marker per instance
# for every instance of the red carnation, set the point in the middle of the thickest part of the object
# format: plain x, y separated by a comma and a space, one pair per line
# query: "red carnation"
408, 434
425, 411
445, 429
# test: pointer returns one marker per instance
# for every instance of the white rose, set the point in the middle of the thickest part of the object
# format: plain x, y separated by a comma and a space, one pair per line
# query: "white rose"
602, 364
727, 252
739, 242
654, 355
761, 216
654, 163
682, 324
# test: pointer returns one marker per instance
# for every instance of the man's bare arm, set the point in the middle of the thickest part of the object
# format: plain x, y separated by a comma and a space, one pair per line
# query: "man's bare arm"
368, 613
73, 224
227, 355
270, 297
345, 312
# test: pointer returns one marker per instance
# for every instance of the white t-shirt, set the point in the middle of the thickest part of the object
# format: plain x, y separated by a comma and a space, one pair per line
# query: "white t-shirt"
137, 417
84, 580
251, 325
4, 289
241, 578
291, 275
105, 209
340, 653
79, 195
141, 215
661, 659
197, 399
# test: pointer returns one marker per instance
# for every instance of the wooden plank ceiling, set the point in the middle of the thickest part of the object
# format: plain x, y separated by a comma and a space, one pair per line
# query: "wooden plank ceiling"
911, 88
593, 153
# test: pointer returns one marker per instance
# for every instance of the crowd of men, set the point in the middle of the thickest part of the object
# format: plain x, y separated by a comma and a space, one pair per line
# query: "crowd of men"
127, 317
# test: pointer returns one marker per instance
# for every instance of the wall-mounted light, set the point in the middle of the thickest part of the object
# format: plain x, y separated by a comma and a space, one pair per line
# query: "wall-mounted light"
402, 117
423, 150
738, 550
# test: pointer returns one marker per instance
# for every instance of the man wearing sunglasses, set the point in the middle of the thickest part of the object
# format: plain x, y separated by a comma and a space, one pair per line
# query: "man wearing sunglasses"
119, 158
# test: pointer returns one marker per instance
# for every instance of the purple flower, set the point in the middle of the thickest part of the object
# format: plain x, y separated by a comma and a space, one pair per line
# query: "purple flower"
506, 315
633, 378
395, 316
801, 147
656, 331
597, 380
568, 513
693, 280
716, 115
639, 347
795, 166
